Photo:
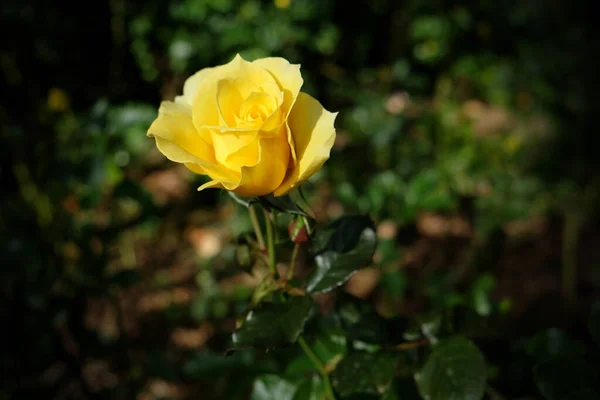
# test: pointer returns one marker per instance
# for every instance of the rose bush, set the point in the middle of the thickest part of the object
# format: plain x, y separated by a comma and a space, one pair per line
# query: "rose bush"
247, 126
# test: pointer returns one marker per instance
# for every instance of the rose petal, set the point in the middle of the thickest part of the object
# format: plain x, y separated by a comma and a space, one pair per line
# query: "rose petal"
248, 78
269, 172
218, 173
177, 138
257, 106
174, 124
286, 75
313, 131
212, 185
231, 142
204, 107
247, 156
290, 81
190, 87
229, 101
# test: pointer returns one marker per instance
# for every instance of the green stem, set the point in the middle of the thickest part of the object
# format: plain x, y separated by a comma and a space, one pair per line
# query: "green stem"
307, 225
412, 345
270, 243
290, 274
256, 225
319, 366
275, 215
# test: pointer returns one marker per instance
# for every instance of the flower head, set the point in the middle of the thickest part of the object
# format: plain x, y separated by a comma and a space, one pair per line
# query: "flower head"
247, 126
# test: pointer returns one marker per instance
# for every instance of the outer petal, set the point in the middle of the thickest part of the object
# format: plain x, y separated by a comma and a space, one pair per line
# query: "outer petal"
174, 124
313, 131
177, 138
204, 104
268, 174
220, 175
212, 184
190, 87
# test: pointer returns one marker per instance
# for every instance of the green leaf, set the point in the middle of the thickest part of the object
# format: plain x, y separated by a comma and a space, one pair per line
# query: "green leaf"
361, 322
209, 364
362, 372
310, 388
329, 347
272, 387
595, 323
299, 366
431, 327
566, 378
283, 204
553, 343
244, 201
267, 286
272, 325
344, 247
390, 395
455, 370
481, 294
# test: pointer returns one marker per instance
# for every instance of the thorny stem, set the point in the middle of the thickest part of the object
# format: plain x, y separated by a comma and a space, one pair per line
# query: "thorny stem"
270, 243
272, 266
290, 274
256, 225
319, 366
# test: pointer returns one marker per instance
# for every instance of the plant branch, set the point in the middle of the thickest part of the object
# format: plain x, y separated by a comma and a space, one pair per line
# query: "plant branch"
307, 225
319, 366
270, 243
256, 225
412, 345
290, 274
275, 215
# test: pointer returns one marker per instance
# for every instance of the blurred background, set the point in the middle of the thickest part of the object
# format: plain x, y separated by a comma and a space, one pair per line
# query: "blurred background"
467, 130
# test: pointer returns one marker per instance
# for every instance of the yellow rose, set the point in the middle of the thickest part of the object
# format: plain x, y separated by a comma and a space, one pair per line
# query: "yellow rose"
247, 126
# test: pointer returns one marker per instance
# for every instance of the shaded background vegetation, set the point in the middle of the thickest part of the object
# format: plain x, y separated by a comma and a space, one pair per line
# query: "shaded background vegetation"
468, 132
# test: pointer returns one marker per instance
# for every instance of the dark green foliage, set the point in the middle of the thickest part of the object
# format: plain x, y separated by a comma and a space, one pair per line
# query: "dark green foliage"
273, 324
466, 132
282, 204
340, 250
366, 373
565, 378
272, 387
454, 370
565, 369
